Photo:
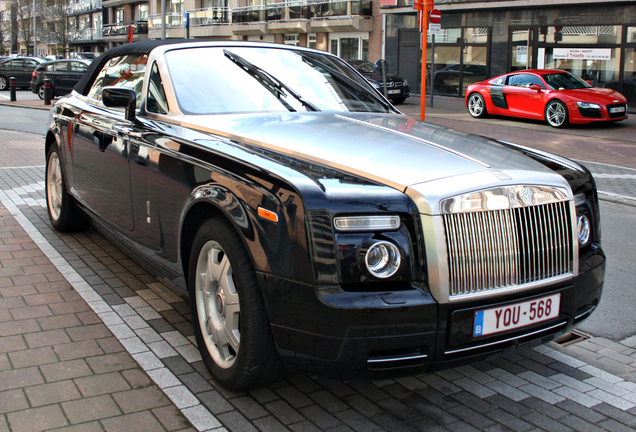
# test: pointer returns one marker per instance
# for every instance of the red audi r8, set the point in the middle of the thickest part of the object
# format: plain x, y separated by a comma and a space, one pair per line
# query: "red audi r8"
556, 96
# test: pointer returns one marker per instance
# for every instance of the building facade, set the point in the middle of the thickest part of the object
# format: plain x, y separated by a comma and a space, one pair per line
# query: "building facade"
479, 39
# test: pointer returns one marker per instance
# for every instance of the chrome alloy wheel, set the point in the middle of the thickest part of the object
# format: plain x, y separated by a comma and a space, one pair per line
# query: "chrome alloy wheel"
556, 114
476, 105
218, 306
54, 186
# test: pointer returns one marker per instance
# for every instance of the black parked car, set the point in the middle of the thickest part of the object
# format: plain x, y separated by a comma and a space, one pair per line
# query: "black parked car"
63, 75
21, 68
397, 88
311, 223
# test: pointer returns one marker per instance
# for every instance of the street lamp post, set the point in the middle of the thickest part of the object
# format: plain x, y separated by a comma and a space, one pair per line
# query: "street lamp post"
35, 35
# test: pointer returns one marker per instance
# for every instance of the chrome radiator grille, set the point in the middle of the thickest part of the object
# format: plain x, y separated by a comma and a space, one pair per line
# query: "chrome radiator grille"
490, 250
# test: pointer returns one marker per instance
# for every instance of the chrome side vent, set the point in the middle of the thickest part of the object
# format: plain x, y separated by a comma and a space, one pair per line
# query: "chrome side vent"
497, 249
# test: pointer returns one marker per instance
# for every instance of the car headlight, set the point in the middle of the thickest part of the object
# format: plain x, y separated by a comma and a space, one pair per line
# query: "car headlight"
588, 105
406, 82
383, 259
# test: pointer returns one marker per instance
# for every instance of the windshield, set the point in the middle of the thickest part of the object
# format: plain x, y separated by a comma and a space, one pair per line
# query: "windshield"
225, 80
565, 81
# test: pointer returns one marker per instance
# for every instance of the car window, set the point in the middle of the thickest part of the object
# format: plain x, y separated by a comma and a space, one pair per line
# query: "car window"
78, 67
366, 68
31, 63
499, 81
123, 71
16, 63
157, 102
524, 80
326, 82
565, 81
60, 67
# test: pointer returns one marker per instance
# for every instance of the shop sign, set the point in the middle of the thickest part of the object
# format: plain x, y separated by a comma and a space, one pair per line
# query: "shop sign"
582, 53
384, 3
434, 28
522, 53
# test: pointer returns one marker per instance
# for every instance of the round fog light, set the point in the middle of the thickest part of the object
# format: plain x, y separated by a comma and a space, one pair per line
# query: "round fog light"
583, 224
383, 259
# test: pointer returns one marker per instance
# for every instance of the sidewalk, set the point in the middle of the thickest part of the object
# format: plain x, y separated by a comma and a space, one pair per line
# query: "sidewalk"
90, 341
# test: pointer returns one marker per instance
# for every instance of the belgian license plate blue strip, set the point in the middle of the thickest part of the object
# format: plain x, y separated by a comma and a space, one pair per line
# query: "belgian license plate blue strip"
517, 315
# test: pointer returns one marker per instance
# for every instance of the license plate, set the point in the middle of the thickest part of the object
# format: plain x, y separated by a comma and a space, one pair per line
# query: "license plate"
394, 91
617, 110
514, 316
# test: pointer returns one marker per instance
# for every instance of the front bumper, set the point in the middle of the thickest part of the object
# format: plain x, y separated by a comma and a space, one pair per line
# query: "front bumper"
379, 334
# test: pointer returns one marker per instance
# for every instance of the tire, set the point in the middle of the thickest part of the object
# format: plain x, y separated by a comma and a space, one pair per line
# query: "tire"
556, 114
228, 313
4, 83
41, 91
477, 106
64, 214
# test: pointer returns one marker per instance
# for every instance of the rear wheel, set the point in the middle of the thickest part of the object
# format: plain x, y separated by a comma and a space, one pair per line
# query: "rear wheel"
556, 114
64, 214
41, 92
228, 313
477, 105
4, 83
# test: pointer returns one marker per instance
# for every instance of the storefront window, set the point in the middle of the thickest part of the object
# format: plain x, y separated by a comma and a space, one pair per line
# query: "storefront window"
600, 66
521, 54
591, 35
629, 83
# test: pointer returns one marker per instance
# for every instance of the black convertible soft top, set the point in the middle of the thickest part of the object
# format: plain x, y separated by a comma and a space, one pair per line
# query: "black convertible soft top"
142, 47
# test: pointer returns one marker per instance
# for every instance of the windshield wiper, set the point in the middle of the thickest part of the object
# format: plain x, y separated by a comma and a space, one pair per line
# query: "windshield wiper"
274, 85
346, 81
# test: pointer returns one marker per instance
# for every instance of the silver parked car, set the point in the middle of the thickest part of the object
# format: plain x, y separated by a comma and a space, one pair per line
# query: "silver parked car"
314, 226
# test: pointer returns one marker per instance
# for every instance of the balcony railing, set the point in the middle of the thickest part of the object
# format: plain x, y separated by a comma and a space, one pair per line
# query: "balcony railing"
119, 29
209, 16
328, 9
249, 14
301, 10
172, 21
290, 11
83, 6
88, 34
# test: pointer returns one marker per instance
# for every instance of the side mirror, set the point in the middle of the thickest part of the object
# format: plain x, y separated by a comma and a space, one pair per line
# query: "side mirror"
116, 97
536, 87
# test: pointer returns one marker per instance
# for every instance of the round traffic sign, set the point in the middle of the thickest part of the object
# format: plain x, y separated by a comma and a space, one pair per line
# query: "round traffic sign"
435, 16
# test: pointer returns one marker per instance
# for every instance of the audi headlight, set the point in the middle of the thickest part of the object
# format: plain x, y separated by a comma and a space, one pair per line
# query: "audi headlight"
588, 105
383, 259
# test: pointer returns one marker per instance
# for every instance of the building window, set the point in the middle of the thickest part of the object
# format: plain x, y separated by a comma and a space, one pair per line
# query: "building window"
350, 46
141, 12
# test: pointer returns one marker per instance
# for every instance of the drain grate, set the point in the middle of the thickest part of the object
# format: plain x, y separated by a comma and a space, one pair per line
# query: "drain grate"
571, 338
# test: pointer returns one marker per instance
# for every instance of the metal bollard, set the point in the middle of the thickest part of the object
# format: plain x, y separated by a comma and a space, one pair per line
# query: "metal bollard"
47, 92
12, 88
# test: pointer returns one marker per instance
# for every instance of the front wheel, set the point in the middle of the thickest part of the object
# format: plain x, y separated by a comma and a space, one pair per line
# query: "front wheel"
477, 106
64, 214
4, 83
228, 313
556, 114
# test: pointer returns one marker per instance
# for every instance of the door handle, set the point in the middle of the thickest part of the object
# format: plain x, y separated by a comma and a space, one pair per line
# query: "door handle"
124, 130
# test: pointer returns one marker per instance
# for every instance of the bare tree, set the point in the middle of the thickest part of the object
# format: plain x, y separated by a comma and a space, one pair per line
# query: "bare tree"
24, 19
57, 23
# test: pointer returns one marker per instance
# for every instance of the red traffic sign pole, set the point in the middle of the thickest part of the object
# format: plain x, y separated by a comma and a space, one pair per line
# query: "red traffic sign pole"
423, 7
